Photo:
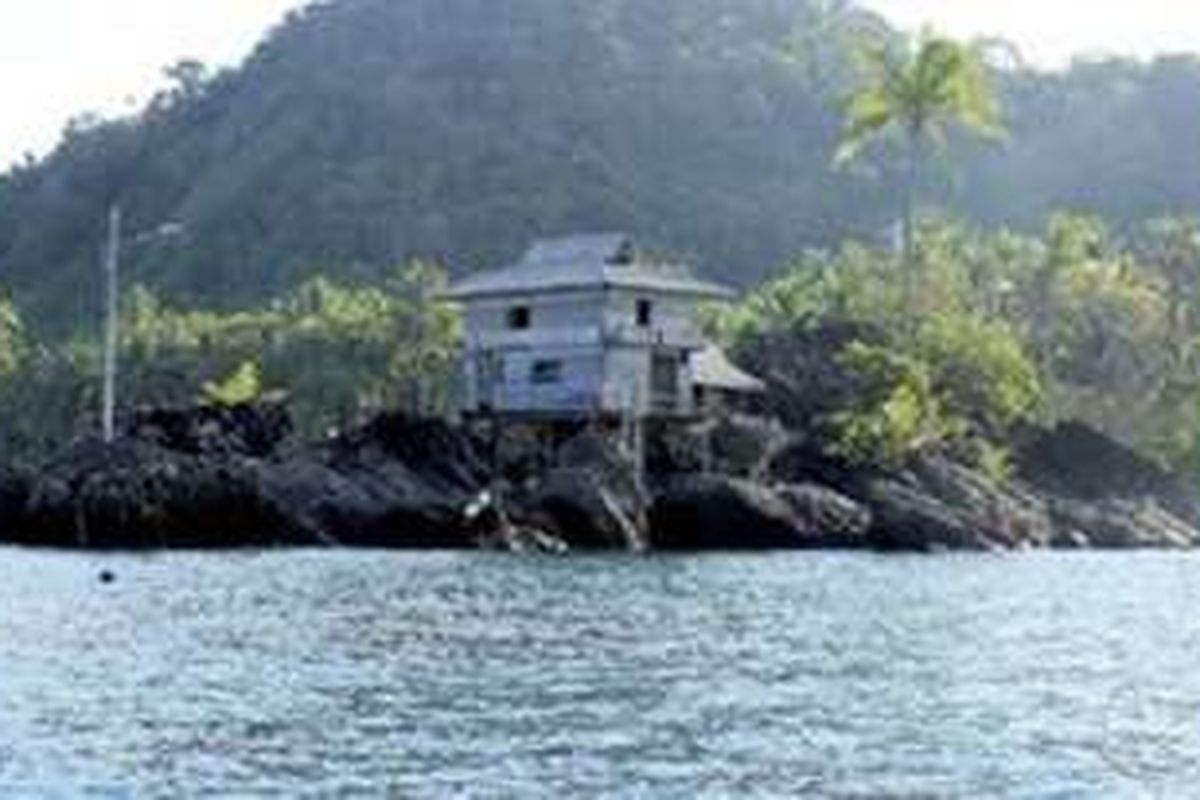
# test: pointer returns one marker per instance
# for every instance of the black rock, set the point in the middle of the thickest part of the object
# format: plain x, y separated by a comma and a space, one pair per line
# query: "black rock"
1078, 462
397, 482
590, 499
256, 431
133, 495
711, 512
826, 518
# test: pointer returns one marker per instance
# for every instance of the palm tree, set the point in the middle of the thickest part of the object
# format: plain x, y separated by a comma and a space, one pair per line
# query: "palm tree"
919, 91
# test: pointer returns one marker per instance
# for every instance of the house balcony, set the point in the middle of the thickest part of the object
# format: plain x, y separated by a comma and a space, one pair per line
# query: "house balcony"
681, 335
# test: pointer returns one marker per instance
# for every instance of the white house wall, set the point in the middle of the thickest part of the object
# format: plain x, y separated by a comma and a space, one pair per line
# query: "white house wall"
626, 379
673, 320
605, 356
578, 389
554, 312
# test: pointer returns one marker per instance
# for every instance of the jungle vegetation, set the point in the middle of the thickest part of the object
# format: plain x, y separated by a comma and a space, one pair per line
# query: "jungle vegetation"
365, 133
1000, 330
1054, 270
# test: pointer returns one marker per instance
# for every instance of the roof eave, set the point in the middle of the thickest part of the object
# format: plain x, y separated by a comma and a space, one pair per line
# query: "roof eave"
700, 291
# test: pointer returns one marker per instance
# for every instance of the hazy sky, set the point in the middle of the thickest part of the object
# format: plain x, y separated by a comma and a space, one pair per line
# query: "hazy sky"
62, 57
1049, 32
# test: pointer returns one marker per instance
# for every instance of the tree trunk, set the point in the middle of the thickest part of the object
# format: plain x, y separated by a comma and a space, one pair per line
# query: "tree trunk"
911, 187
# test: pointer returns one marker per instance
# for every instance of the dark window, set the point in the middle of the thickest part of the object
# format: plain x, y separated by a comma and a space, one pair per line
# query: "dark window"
664, 380
545, 372
519, 318
645, 313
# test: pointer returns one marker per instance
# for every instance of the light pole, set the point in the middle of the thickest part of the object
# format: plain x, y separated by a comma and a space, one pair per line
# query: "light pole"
112, 256
112, 289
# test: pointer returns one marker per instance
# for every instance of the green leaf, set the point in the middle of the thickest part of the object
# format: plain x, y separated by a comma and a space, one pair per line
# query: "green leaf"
241, 387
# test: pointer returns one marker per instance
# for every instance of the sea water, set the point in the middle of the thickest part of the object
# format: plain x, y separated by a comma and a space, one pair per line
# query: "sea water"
364, 674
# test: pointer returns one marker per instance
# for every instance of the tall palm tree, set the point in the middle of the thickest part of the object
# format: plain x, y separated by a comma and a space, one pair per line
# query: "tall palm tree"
919, 91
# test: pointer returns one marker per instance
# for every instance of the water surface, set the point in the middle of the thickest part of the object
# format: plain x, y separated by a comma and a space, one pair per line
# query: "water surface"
317, 674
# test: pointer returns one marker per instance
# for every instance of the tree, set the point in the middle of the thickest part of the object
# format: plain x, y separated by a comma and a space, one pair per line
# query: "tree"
919, 90
1171, 247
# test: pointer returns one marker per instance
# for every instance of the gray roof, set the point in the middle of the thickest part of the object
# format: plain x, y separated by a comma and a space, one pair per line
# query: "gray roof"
584, 262
712, 368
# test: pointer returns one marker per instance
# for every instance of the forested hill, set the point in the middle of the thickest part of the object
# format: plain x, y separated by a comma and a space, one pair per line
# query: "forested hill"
365, 132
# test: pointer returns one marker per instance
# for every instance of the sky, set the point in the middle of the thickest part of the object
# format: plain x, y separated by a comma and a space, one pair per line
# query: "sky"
60, 58
1050, 32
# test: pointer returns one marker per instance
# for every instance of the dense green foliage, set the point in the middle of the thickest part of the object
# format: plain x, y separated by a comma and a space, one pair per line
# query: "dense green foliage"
1004, 329
336, 353
362, 133
366, 133
241, 387
898, 412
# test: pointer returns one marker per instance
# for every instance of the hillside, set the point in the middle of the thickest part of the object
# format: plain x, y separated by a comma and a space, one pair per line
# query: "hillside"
364, 132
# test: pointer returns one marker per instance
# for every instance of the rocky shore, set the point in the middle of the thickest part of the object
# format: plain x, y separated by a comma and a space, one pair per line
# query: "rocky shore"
227, 478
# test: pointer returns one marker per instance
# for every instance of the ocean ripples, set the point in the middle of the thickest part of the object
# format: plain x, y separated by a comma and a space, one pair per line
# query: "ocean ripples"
371, 674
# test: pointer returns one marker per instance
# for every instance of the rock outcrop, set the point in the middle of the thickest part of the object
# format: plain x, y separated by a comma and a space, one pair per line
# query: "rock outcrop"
255, 431
135, 495
221, 478
939, 505
214, 480
14, 496
591, 498
709, 512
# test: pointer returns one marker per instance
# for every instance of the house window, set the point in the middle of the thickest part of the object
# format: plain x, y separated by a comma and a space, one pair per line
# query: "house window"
546, 372
645, 313
519, 318
664, 380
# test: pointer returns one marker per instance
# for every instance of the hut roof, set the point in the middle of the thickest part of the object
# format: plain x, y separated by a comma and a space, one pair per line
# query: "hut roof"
711, 368
584, 262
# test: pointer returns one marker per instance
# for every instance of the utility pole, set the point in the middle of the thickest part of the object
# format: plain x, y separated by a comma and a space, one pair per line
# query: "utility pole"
112, 256
112, 307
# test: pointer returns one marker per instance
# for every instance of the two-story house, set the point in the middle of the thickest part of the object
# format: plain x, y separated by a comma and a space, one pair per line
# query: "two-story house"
583, 326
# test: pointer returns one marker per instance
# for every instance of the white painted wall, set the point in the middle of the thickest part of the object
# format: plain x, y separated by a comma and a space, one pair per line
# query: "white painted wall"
673, 322
579, 388
551, 312
605, 355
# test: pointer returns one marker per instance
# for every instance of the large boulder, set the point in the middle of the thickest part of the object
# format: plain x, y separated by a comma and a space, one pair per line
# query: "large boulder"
444, 457
906, 518
1078, 462
14, 495
381, 505
743, 446
397, 482
826, 518
709, 512
591, 498
132, 495
804, 460
1101, 493
703, 512
1120, 525
940, 505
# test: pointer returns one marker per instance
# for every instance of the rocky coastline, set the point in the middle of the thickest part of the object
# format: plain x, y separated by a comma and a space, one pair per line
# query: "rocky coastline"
208, 478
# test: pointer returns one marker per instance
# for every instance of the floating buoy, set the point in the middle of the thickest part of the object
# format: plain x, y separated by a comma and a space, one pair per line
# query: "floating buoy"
107, 576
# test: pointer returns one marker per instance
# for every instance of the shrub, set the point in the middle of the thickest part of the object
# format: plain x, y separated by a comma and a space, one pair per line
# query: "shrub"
898, 413
241, 387
980, 370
